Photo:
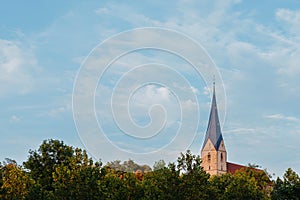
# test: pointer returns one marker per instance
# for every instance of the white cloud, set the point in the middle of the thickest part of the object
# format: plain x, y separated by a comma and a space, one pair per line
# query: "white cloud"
189, 105
281, 117
16, 67
207, 91
58, 111
78, 59
291, 18
14, 119
241, 131
195, 90
101, 11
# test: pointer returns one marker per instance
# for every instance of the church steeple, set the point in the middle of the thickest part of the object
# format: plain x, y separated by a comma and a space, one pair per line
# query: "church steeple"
213, 131
213, 153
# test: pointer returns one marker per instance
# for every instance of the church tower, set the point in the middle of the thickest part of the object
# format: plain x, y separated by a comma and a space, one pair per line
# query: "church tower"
213, 153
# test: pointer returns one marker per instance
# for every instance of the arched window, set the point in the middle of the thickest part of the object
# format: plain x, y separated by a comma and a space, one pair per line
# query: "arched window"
208, 157
221, 157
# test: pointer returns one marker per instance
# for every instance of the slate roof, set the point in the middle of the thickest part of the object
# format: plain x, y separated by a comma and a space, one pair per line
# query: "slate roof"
213, 131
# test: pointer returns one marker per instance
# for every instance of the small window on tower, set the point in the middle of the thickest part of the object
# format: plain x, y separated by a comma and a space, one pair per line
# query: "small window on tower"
221, 156
208, 157
208, 167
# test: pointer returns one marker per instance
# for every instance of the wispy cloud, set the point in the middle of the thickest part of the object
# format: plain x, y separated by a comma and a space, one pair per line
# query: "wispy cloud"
56, 112
15, 119
102, 10
281, 117
291, 18
241, 131
17, 67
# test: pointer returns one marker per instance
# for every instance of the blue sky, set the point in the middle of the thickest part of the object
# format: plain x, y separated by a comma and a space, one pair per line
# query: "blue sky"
255, 46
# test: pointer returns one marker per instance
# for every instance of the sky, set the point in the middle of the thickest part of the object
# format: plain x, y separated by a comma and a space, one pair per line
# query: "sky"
151, 103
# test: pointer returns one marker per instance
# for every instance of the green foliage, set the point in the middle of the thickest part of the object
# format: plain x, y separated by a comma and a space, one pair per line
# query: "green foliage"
159, 165
219, 185
127, 166
62, 172
119, 185
15, 182
243, 186
162, 183
59, 171
288, 188
194, 180
42, 163
247, 183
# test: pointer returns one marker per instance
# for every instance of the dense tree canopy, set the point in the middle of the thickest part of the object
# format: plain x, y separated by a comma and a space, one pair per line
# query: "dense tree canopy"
288, 188
59, 171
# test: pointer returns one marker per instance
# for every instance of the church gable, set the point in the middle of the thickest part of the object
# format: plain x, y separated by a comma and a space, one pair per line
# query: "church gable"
222, 146
209, 146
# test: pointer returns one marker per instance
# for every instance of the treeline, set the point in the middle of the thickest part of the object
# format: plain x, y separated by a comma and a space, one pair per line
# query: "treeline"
59, 171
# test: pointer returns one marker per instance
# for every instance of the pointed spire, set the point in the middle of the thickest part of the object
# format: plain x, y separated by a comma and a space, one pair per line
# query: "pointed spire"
213, 131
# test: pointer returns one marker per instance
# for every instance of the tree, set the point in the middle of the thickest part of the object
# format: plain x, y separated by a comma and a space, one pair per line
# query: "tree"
41, 163
79, 179
219, 185
159, 165
247, 183
15, 182
243, 186
120, 185
1, 178
162, 183
116, 165
127, 166
289, 188
58, 171
194, 180
61, 171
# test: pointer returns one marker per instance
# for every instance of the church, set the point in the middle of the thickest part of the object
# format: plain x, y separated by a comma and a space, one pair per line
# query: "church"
213, 152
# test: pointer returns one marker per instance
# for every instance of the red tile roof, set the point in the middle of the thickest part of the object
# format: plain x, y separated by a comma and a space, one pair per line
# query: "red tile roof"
232, 167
